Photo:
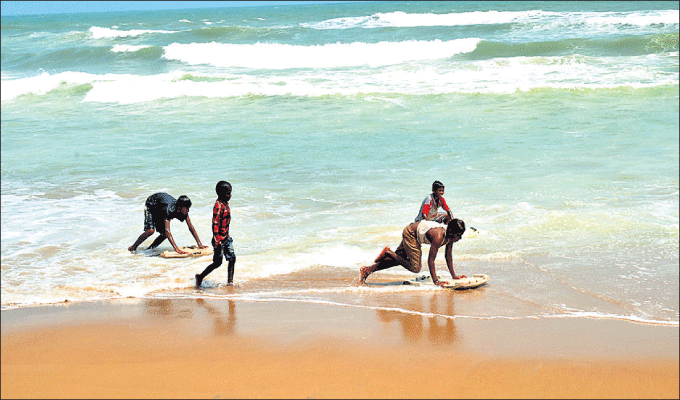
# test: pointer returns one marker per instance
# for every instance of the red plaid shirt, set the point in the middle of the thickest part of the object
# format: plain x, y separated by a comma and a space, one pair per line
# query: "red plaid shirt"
220, 222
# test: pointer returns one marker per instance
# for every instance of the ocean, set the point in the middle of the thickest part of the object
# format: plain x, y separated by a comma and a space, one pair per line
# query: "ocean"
553, 126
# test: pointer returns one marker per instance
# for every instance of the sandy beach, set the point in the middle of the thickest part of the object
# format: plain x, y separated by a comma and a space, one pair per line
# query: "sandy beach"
216, 348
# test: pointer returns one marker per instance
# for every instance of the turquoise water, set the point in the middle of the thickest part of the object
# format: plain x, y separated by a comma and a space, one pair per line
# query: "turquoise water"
554, 127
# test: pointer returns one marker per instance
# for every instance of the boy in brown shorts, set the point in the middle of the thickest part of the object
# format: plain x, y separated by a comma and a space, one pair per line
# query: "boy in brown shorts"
409, 252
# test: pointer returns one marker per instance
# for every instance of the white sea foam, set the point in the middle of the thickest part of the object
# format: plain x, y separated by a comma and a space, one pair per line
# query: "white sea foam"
403, 20
643, 19
42, 83
599, 315
407, 67
108, 33
35, 35
484, 76
283, 56
122, 48
490, 76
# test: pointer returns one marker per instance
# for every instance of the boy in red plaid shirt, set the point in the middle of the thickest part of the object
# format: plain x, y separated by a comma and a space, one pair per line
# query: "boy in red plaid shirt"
221, 241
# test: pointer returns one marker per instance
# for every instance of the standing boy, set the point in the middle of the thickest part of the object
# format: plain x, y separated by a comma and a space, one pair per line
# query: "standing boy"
428, 210
221, 241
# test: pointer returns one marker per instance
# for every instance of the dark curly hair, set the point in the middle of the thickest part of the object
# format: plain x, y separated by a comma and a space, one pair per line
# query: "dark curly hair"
455, 226
222, 188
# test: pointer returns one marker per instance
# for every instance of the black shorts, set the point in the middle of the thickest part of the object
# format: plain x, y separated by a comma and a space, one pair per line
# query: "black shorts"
226, 249
153, 222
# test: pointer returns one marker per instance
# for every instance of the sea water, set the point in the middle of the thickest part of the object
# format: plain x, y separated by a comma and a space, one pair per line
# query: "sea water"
553, 125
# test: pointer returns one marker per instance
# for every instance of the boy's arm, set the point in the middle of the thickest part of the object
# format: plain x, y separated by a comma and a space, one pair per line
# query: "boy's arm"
215, 224
426, 208
436, 237
194, 234
449, 259
434, 248
446, 208
168, 234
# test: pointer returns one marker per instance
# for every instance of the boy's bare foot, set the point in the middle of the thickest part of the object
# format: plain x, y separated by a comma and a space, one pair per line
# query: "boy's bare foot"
364, 273
131, 249
199, 280
382, 254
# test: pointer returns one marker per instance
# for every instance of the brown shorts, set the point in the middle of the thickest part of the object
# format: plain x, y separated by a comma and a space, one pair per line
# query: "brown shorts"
409, 248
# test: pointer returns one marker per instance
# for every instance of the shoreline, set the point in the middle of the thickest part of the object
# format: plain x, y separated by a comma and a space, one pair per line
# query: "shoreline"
231, 348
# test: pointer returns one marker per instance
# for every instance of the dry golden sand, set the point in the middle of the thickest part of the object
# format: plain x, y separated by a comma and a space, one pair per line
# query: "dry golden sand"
234, 349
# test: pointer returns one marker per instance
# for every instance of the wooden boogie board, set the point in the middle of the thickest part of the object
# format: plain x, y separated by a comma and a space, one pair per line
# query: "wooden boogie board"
457, 284
192, 251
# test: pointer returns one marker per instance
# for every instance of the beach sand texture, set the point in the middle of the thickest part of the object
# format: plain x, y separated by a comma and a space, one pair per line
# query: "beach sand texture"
216, 348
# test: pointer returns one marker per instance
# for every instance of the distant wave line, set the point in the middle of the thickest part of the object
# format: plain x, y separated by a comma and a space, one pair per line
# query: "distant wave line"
108, 33
400, 19
251, 54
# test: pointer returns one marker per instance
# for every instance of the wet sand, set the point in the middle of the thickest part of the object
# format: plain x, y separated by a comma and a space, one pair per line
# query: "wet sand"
217, 348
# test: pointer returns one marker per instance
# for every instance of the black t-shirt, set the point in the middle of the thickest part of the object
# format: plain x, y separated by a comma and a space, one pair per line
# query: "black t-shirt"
163, 206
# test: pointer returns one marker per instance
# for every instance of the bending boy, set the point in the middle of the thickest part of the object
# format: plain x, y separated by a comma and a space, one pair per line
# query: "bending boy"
159, 209
409, 252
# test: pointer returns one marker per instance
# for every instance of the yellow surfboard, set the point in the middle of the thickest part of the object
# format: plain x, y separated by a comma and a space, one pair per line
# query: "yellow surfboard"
457, 284
192, 251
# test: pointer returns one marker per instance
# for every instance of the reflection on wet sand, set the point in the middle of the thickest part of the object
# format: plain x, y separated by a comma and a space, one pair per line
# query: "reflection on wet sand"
440, 330
223, 325
165, 308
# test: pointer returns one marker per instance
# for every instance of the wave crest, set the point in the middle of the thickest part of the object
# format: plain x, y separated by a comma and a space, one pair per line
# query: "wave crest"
400, 19
284, 56
108, 33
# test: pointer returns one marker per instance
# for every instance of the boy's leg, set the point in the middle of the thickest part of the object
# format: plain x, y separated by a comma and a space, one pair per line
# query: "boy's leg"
382, 254
145, 235
389, 258
230, 279
385, 260
158, 241
158, 223
148, 230
230, 256
409, 252
364, 272
217, 262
